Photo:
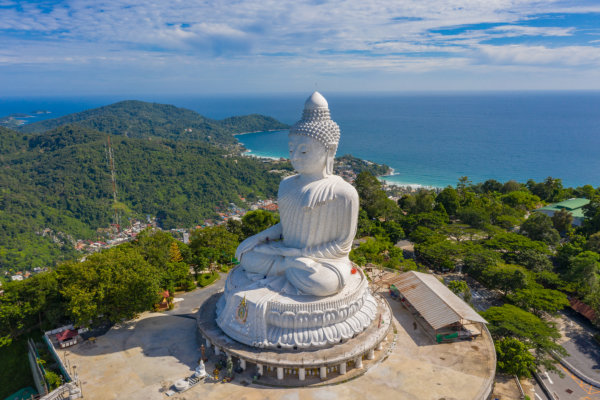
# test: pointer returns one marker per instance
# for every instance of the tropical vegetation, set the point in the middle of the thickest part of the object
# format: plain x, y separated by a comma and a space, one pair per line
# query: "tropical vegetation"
491, 232
55, 186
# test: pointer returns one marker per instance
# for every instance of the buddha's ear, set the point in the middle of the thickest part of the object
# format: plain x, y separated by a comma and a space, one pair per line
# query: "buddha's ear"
331, 149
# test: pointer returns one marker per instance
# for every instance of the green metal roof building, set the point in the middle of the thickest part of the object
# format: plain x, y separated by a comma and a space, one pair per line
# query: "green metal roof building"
574, 206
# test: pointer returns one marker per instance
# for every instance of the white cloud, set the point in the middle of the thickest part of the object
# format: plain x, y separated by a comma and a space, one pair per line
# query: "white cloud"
541, 55
517, 30
342, 35
219, 29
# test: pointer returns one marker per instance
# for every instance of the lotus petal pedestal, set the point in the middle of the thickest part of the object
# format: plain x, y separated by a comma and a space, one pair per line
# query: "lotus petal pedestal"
257, 314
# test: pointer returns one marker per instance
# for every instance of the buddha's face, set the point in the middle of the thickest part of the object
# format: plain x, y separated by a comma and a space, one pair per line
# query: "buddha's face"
307, 155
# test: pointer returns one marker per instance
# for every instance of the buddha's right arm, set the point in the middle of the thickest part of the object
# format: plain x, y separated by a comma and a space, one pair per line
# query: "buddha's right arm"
272, 233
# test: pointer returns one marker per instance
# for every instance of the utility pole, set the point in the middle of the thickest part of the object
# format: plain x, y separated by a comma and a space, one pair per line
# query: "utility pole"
111, 163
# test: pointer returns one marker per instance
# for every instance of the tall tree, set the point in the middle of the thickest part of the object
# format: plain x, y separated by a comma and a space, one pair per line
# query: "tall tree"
477, 217
257, 221
562, 220
174, 253
235, 226
509, 321
461, 289
463, 187
477, 259
491, 185
215, 244
538, 300
511, 186
585, 270
112, 285
514, 357
450, 199
550, 190
539, 227
520, 199
586, 191
592, 216
155, 246
505, 277
593, 242
440, 255
393, 230
373, 198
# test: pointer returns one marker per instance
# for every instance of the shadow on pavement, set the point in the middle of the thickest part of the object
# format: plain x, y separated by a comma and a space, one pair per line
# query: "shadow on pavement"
157, 335
584, 351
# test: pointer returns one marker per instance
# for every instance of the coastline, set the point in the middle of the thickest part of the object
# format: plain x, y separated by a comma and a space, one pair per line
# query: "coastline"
248, 153
391, 172
385, 179
410, 140
391, 179
388, 180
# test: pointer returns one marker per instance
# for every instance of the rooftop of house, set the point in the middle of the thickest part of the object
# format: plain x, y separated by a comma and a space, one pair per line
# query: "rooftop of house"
572, 205
434, 301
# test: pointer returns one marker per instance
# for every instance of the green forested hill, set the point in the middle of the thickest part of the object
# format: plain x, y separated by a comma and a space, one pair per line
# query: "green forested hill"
138, 119
251, 123
11, 142
60, 180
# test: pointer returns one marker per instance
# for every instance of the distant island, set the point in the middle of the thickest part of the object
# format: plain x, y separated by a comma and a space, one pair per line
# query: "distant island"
15, 120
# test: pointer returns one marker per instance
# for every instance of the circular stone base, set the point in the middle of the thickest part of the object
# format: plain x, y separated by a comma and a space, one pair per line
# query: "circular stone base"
284, 364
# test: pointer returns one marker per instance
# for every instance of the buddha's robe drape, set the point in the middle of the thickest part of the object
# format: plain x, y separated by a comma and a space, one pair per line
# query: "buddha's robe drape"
319, 219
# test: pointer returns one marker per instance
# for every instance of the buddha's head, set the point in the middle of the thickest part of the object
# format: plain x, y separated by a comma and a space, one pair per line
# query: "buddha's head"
314, 139
309, 156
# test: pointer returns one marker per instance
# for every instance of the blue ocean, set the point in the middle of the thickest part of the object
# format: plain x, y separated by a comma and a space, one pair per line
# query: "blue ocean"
428, 139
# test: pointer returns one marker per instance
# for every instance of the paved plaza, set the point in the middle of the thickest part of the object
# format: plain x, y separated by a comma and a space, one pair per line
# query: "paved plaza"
144, 357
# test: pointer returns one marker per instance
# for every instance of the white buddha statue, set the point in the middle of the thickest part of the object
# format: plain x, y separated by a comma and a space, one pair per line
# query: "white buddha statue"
319, 212
200, 371
294, 286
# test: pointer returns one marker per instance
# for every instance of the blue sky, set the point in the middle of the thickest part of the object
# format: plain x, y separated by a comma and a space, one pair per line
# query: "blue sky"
238, 46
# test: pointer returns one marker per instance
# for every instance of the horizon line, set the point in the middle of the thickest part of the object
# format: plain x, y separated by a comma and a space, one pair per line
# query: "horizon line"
132, 96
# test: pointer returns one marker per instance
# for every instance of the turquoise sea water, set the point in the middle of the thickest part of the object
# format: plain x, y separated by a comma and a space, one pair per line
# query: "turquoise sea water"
429, 139
433, 140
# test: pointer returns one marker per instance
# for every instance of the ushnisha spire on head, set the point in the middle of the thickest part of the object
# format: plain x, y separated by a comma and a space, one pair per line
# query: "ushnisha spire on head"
317, 124
315, 101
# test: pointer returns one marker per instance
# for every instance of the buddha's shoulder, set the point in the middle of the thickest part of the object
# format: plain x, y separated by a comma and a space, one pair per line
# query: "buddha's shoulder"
288, 179
341, 188
288, 182
334, 182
